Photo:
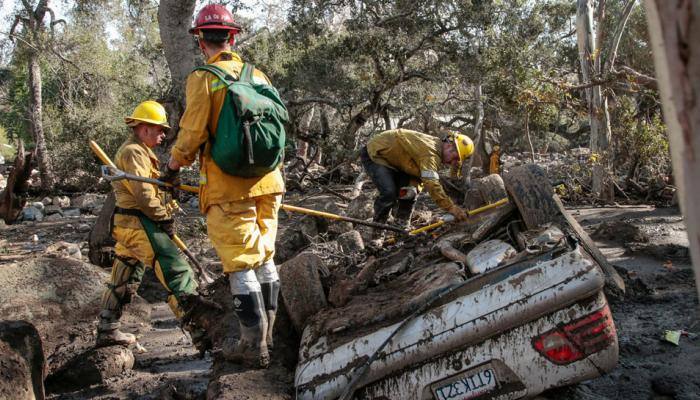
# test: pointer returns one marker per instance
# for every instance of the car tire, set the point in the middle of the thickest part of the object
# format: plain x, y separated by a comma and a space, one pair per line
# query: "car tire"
530, 190
302, 291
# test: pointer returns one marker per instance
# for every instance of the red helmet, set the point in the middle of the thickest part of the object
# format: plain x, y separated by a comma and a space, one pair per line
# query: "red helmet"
215, 16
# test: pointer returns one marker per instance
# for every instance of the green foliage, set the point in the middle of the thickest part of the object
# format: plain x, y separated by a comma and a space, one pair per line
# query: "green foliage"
7, 150
88, 96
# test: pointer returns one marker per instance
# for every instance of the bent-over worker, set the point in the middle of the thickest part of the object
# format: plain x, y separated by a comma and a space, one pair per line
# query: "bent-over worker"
397, 160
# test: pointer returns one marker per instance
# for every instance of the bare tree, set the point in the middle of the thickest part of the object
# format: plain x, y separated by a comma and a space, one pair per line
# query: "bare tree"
674, 26
32, 41
590, 37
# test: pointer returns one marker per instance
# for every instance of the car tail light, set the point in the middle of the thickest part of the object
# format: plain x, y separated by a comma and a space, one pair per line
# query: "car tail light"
577, 339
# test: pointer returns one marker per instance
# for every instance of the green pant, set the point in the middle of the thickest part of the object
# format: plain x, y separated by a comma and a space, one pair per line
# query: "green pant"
153, 248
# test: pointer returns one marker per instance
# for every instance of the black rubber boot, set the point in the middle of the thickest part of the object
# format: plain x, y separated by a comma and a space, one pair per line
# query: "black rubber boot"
251, 348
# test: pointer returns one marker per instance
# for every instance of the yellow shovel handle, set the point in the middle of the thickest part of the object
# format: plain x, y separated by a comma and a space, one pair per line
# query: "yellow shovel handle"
470, 213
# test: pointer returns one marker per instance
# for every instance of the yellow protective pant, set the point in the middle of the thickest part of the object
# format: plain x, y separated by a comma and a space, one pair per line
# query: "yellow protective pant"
243, 232
134, 247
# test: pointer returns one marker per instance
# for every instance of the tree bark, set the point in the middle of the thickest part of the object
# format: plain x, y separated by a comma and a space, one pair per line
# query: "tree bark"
527, 134
36, 124
34, 29
674, 26
478, 139
12, 200
174, 20
601, 133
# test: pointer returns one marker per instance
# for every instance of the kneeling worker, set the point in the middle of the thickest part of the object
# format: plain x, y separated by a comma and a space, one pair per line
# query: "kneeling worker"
398, 159
143, 228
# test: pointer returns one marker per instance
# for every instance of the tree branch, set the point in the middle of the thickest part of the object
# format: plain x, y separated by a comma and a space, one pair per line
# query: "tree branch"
610, 62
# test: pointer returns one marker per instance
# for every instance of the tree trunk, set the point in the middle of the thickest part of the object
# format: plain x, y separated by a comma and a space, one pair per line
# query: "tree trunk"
36, 125
527, 135
478, 139
12, 200
601, 133
174, 20
674, 26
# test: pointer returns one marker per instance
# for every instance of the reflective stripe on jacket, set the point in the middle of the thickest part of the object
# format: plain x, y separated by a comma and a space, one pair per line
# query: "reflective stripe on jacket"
134, 157
205, 97
414, 153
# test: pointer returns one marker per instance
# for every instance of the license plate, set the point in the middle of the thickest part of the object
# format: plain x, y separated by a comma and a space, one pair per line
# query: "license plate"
466, 386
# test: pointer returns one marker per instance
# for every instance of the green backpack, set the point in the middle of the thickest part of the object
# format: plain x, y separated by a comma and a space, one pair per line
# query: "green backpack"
250, 134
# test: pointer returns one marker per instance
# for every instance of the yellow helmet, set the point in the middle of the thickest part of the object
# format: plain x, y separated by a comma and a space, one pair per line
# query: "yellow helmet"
150, 112
465, 146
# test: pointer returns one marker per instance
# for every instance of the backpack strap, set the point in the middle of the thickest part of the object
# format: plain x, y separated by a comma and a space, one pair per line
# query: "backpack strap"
223, 75
247, 73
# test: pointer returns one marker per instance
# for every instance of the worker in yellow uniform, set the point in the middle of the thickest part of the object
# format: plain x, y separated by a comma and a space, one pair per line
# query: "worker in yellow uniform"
397, 159
241, 212
143, 228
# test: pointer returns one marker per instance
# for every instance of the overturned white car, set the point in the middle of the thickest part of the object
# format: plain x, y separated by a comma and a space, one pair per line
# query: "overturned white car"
504, 307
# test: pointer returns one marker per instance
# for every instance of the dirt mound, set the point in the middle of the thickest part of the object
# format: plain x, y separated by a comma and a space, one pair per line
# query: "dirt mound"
22, 361
60, 296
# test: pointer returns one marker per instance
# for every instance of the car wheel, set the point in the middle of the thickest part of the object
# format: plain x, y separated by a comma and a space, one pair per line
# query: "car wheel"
302, 292
529, 187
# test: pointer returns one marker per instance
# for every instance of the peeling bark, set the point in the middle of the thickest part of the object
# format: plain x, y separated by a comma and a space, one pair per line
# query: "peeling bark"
674, 26
174, 20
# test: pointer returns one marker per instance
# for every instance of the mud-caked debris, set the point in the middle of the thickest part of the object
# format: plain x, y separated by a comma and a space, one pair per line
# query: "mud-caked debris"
351, 242
22, 362
91, 367
301, 288
64, 249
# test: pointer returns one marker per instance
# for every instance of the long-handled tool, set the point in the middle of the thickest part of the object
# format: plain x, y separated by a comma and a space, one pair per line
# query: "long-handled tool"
450, 218
203, 274
114, 174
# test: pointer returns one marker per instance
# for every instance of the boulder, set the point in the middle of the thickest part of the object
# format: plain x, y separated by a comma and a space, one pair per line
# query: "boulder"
60, 296
361, 207
88, 201
71, 212
38, 205
52, 209
53, 217
22, 361
46, 201
91, 367
31, 213
351, 242
61, 201
64, 249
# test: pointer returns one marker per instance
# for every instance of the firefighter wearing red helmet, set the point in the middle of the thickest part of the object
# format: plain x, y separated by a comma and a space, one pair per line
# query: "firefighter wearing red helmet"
241, 212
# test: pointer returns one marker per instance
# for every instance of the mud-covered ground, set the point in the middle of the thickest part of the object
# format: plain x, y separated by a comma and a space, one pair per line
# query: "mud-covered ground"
648, 245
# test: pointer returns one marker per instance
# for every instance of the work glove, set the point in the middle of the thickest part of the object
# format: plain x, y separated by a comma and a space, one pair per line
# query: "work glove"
168, 226
459, 214
171, 176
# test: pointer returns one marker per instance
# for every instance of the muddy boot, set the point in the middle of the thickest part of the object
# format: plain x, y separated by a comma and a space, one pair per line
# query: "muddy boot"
251, 348
199, 337
108, 333
403, 213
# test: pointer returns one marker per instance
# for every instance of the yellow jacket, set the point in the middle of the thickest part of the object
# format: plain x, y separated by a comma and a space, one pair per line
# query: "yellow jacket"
414, 153
205, 97
136, 158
